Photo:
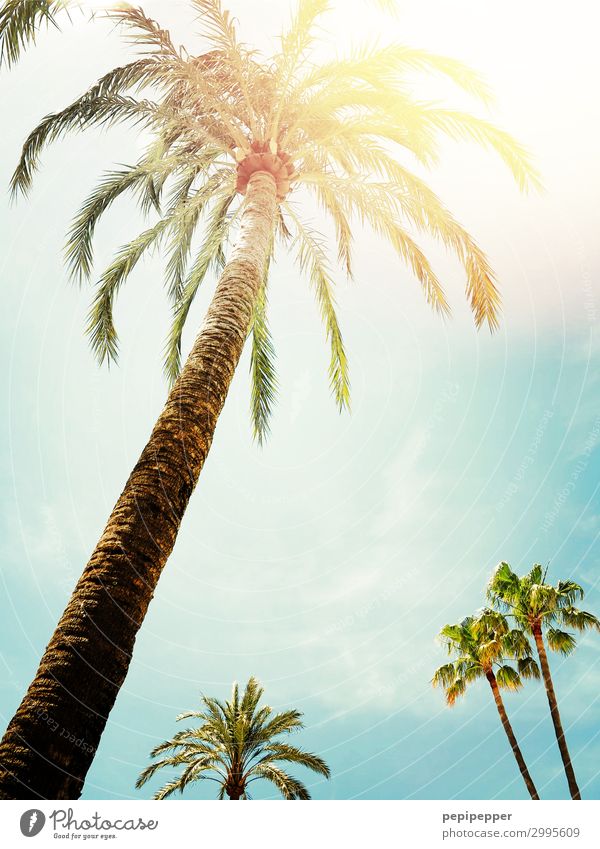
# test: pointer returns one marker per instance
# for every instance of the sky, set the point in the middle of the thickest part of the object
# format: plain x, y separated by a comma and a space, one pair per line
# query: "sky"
326, 562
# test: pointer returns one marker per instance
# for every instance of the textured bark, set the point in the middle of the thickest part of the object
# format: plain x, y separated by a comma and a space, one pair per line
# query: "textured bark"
511, 736
554, 713
51, 741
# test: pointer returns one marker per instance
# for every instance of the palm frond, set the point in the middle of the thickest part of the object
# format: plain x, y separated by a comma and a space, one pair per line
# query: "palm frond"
462, 125
262, 368
92, 109
455, 691
312, 260
581, 620
219, 25
101, 329
561, 641
444, 675
20, 23
147, 33
210, 256
569, 592
508, 678
253, 693
79, 247
528, 668
374, 203
284, 752
151, 769
288, 786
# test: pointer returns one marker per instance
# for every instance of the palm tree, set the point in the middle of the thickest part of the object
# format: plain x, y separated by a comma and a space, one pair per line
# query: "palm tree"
481, 645
233, 138
235, 744
539, 607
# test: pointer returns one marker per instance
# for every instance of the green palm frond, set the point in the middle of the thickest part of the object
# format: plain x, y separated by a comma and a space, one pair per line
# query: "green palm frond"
284, 752
285, 722
452, 636
20, 23
210, 257
528, 668
101, 328
188, 739
168, 789
79, 248
504, 588
312, 260
262, 368
569, 592
171, 761
561, 641
444, 675
288, 786
508, 678
92, 109
516, 644
581, 620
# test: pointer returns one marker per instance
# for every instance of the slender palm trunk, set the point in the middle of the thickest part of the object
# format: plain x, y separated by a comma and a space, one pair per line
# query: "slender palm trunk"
558, 729
51, 741
511, 736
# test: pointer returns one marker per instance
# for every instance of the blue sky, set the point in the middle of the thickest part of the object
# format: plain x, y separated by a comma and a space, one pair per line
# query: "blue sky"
326, 562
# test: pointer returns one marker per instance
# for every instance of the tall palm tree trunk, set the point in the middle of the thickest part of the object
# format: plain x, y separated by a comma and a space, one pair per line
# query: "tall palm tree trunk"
554, 713
511, 736
51, 741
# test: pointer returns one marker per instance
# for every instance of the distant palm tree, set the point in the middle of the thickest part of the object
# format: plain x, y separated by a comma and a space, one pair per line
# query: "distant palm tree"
235, 745
233, 137
482, 644
538, 607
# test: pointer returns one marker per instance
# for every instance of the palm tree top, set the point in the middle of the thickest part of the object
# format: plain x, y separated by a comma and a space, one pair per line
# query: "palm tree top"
341, 133
236, 743
481, 645
534, 603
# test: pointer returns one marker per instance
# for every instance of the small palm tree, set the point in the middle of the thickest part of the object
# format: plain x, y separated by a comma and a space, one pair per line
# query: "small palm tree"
237, 144
482, 644
235, 745
539, 608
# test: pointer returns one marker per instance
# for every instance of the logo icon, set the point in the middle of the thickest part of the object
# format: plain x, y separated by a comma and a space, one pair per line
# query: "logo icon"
32, 822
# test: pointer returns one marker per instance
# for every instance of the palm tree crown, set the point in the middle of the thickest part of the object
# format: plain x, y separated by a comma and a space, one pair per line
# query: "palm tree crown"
482, 644
535, 604
235, 745
336, 131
